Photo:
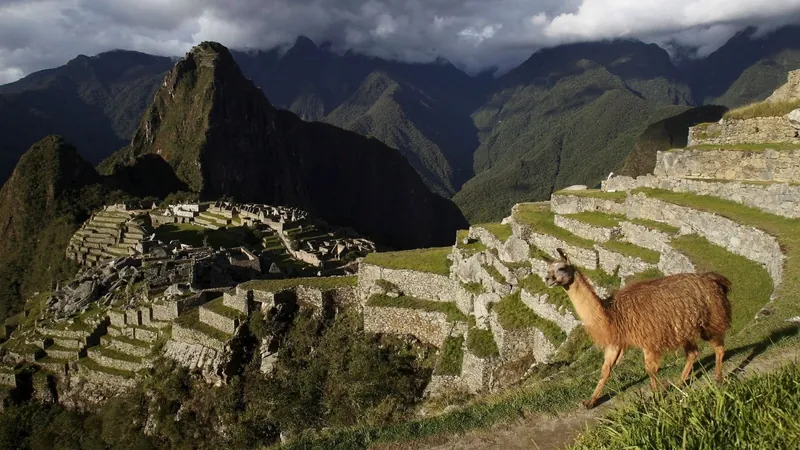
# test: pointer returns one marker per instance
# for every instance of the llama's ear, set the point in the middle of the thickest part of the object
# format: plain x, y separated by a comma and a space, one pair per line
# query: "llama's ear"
563, 255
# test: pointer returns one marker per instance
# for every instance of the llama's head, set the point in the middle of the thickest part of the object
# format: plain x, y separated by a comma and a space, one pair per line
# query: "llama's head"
560, 272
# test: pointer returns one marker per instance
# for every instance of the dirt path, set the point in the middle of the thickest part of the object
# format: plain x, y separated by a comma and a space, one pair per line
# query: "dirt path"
537, 432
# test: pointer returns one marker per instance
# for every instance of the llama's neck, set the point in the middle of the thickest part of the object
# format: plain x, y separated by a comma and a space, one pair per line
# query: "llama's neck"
589, 308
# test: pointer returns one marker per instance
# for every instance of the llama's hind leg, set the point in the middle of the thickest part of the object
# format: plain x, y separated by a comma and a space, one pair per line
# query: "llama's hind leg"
718, 342
651, 361
691, 356
611, 355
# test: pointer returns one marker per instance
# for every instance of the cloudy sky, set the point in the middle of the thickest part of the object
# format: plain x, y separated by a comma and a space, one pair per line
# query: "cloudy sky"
474, 34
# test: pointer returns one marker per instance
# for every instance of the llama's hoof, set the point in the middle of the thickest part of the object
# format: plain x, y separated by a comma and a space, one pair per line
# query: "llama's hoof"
588, 404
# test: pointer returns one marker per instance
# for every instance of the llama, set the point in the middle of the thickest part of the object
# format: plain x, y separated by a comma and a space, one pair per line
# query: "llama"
655, 315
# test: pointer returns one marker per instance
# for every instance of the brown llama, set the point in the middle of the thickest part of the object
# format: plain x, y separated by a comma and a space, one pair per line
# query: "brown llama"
655, 315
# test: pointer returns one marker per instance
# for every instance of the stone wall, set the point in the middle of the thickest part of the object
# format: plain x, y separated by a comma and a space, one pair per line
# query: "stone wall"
108, 380
767, 165
209, 361
538, 303
674, 262
429, 327
586, 231
113, 363
782, 199
476, 373
571, 204
751, 243
628, 265
744, 131
513, 249
428, 286
519, 343
190, 336
218, 321
236, 301
470, 269
645, 237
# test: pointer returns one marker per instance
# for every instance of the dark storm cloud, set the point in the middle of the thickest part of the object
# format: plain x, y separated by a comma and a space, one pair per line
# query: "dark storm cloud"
36, 34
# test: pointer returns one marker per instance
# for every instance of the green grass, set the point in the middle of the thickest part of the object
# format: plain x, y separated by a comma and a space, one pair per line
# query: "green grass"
556, 296
218, 307
514, 315
602, 278
540, 218
648, 274
94, 366
628, 249
126, 340
500, 231
757, 413
751, 285
471, 248
116, 354
432, 260
481, 343
451, 357
597, 219
762, 109
594, 193
537, 253
194, 235
448, 309
495, 274
474, 288
287, 283
653, 225
760, 147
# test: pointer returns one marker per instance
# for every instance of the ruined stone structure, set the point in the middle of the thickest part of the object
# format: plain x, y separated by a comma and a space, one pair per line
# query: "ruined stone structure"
114, 232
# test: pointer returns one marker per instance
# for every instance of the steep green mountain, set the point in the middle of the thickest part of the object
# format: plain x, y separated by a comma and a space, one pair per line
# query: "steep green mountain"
566, 116
420, 109
94, 102
746, 69
222, 137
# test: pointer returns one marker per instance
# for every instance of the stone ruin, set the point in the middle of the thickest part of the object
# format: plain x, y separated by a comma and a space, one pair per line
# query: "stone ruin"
116, 231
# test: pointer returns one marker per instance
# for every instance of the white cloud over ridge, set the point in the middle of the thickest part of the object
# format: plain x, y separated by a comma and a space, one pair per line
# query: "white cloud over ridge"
474, 34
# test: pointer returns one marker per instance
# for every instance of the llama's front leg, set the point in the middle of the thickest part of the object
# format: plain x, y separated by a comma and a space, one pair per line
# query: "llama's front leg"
611, 355
651, 360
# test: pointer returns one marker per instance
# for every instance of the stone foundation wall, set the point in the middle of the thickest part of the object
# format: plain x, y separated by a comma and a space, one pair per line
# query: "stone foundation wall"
571, 204
767, 165
782, 199
538, 303
584, 230
751, 243
744, 131
518, 344
429, 327
190, 336
428, 286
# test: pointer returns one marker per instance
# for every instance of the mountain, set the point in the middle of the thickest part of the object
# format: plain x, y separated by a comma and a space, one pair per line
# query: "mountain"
568, 115
94, 102
423, 110
748, 68
222, 137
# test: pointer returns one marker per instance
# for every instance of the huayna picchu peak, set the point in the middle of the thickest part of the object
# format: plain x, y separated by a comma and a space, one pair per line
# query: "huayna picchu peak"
222, 137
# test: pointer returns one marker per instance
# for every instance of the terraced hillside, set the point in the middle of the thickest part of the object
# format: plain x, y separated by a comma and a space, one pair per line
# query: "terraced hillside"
730, 207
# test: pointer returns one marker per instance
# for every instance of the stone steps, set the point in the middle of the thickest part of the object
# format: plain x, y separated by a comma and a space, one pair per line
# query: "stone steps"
127, 345
115, 359
217, 315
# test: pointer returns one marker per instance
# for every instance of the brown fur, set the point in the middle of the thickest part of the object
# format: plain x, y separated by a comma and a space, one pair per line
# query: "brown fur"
655, 315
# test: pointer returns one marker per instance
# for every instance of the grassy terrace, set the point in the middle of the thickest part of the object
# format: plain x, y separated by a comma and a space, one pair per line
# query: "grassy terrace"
288, 283
514, 315
451, 356
597, 219
574, 371
191, 319
116, 354
432, 260
500, 231
556, 296
594, 193
540, 218
762, 109
628, 249
474, 287
759, 412
494, 273
95, 367
742, 147
216, 306
448, 309
481, 343
469, 249
658, 226
125, 339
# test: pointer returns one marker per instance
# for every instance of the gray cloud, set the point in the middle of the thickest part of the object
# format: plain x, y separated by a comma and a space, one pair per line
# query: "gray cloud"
37, 34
